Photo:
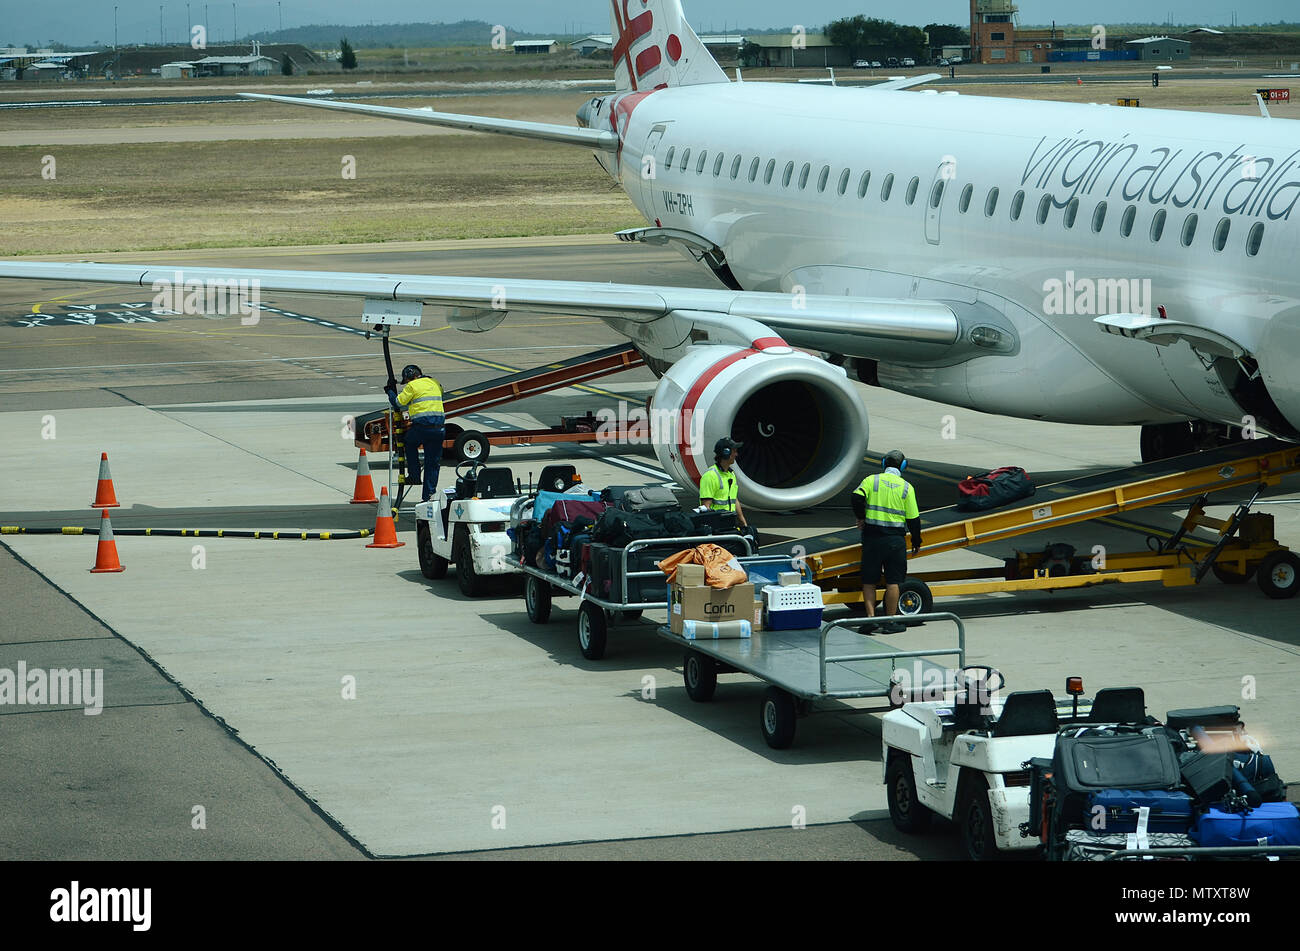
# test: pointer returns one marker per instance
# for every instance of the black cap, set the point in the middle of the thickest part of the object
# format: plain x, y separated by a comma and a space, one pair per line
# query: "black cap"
411, 372
725, 446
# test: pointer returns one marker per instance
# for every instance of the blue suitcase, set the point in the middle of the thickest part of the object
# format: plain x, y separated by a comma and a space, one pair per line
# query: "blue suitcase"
1273, 823
1115, 810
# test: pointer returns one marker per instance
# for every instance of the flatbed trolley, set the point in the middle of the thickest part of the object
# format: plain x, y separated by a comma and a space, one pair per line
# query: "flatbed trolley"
803, 667
595, 614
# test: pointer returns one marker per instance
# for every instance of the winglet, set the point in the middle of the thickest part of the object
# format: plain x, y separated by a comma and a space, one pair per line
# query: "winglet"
905, 82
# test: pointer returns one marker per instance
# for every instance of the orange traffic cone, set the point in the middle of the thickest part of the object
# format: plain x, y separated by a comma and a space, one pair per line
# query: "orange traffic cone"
106, 550
364, 492
385, 528
104, 497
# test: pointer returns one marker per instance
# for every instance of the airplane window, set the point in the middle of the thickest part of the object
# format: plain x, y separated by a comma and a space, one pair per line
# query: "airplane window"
767, 173
686, 159
991, 203
823, 178
753, 168
1255, 238
786, 176
668, 162
1098, 217
699, 166
936, 194
735, 166
964, 202
1071, 212
1126, 223
803, 175
863, 183
1158, 225
1017, 203
717, 164
844, 181
887, 187
1189, 230
1221, 234
1044, 207
911, 189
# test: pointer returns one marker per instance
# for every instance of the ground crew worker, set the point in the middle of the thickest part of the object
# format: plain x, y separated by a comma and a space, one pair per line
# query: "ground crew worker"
421, 397
886, 509
718, 484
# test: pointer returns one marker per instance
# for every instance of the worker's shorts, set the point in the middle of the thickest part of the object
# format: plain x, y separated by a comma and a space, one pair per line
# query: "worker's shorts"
884, 553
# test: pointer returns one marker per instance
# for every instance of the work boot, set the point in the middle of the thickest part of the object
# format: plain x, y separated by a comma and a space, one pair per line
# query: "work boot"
893, 627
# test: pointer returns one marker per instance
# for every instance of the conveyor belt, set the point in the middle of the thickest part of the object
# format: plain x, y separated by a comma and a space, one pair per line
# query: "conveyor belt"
1088, 497
553, 376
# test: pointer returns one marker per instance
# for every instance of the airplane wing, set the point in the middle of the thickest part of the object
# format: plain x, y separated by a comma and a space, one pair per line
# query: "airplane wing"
478, 304
604, 141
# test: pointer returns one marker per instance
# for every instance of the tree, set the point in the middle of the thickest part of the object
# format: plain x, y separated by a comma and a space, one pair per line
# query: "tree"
861, 35
347, 56
946, 34
286, 65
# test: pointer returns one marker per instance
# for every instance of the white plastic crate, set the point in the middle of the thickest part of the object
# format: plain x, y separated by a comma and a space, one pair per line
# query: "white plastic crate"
792, 597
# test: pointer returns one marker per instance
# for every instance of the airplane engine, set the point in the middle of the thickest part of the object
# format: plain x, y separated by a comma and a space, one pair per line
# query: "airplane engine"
801, 423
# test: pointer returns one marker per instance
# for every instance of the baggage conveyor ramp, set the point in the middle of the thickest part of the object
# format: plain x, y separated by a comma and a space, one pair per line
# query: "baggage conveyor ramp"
1245, 544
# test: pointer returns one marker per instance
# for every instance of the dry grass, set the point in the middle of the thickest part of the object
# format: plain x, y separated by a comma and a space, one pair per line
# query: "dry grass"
284, 192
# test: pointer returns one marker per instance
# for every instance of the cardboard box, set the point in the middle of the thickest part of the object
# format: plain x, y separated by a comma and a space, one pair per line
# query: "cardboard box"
702, 603
689, 576
758, 615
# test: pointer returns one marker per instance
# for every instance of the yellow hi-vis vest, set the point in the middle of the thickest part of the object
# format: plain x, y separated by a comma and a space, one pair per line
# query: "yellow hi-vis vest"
422, 398
720, 487
889, 502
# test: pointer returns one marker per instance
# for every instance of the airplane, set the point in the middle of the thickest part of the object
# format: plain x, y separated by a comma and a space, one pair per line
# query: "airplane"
1053, 261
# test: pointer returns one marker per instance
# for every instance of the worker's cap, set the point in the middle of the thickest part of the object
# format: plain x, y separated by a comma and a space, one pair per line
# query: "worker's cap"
894, 460
725, 446
411, 372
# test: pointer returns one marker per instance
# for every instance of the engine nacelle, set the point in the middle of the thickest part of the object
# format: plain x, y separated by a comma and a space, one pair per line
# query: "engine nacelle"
801, 423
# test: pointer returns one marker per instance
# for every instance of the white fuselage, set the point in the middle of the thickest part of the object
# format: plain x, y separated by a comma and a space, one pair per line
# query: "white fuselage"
943, 228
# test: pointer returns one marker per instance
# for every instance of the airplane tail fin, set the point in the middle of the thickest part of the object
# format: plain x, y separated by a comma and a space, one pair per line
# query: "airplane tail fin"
655, 47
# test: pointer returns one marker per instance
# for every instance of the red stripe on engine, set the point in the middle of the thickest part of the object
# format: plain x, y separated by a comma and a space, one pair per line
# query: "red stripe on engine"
688, 409
763, 343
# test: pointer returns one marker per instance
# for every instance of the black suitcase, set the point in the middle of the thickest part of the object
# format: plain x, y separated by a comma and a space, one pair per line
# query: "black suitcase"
712, 522
1212, 718
613, 494
1123, 761
650, 498
1207, 775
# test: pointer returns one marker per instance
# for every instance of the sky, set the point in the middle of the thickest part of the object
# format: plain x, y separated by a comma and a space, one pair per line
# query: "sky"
85, 21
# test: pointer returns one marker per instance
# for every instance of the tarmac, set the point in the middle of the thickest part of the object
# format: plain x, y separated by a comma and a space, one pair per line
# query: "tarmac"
322, 700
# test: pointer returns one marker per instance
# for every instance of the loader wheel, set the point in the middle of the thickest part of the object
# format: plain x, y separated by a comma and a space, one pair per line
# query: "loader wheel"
432, 565
1279, 575
592, 631
776, 718
701, 676
472, 446
914, 597
537, 598
976, 820
900, 794
471, 583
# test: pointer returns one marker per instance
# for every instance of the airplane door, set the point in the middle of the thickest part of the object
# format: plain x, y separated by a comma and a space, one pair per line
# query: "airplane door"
649, 169
943, 176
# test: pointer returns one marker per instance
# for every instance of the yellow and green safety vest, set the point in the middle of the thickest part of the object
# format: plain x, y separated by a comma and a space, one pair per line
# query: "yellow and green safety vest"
720, 487
889, 502
422, 398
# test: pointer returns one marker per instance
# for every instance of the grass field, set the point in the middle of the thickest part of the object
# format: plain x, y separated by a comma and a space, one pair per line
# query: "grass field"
284, 192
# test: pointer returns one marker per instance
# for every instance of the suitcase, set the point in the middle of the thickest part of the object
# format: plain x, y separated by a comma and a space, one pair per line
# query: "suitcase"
1081, 846
1207, 775
1123, 761
604, 561
993, 489
1258, 770
649, 498
1116, 810
1273, 823
1212, 718
613, 494
711, 522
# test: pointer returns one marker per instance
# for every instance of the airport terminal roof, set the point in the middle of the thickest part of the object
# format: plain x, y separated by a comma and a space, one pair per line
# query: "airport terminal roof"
217, 60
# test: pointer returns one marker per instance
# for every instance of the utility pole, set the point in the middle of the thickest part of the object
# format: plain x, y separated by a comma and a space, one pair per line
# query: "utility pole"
115, 27
280, 10
234, 12
160, 25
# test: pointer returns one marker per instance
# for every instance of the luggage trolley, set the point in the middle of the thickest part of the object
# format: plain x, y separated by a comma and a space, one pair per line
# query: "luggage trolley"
595, 614
832, 662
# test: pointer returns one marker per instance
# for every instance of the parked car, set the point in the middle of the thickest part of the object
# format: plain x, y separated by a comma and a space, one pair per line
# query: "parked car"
908, 61
861, 64
892, 62
942, 62
954, 60
875, 64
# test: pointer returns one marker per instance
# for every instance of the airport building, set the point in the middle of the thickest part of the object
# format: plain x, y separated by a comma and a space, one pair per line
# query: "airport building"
234, 66
596, 43
536, 47
797, 50
1161, 49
